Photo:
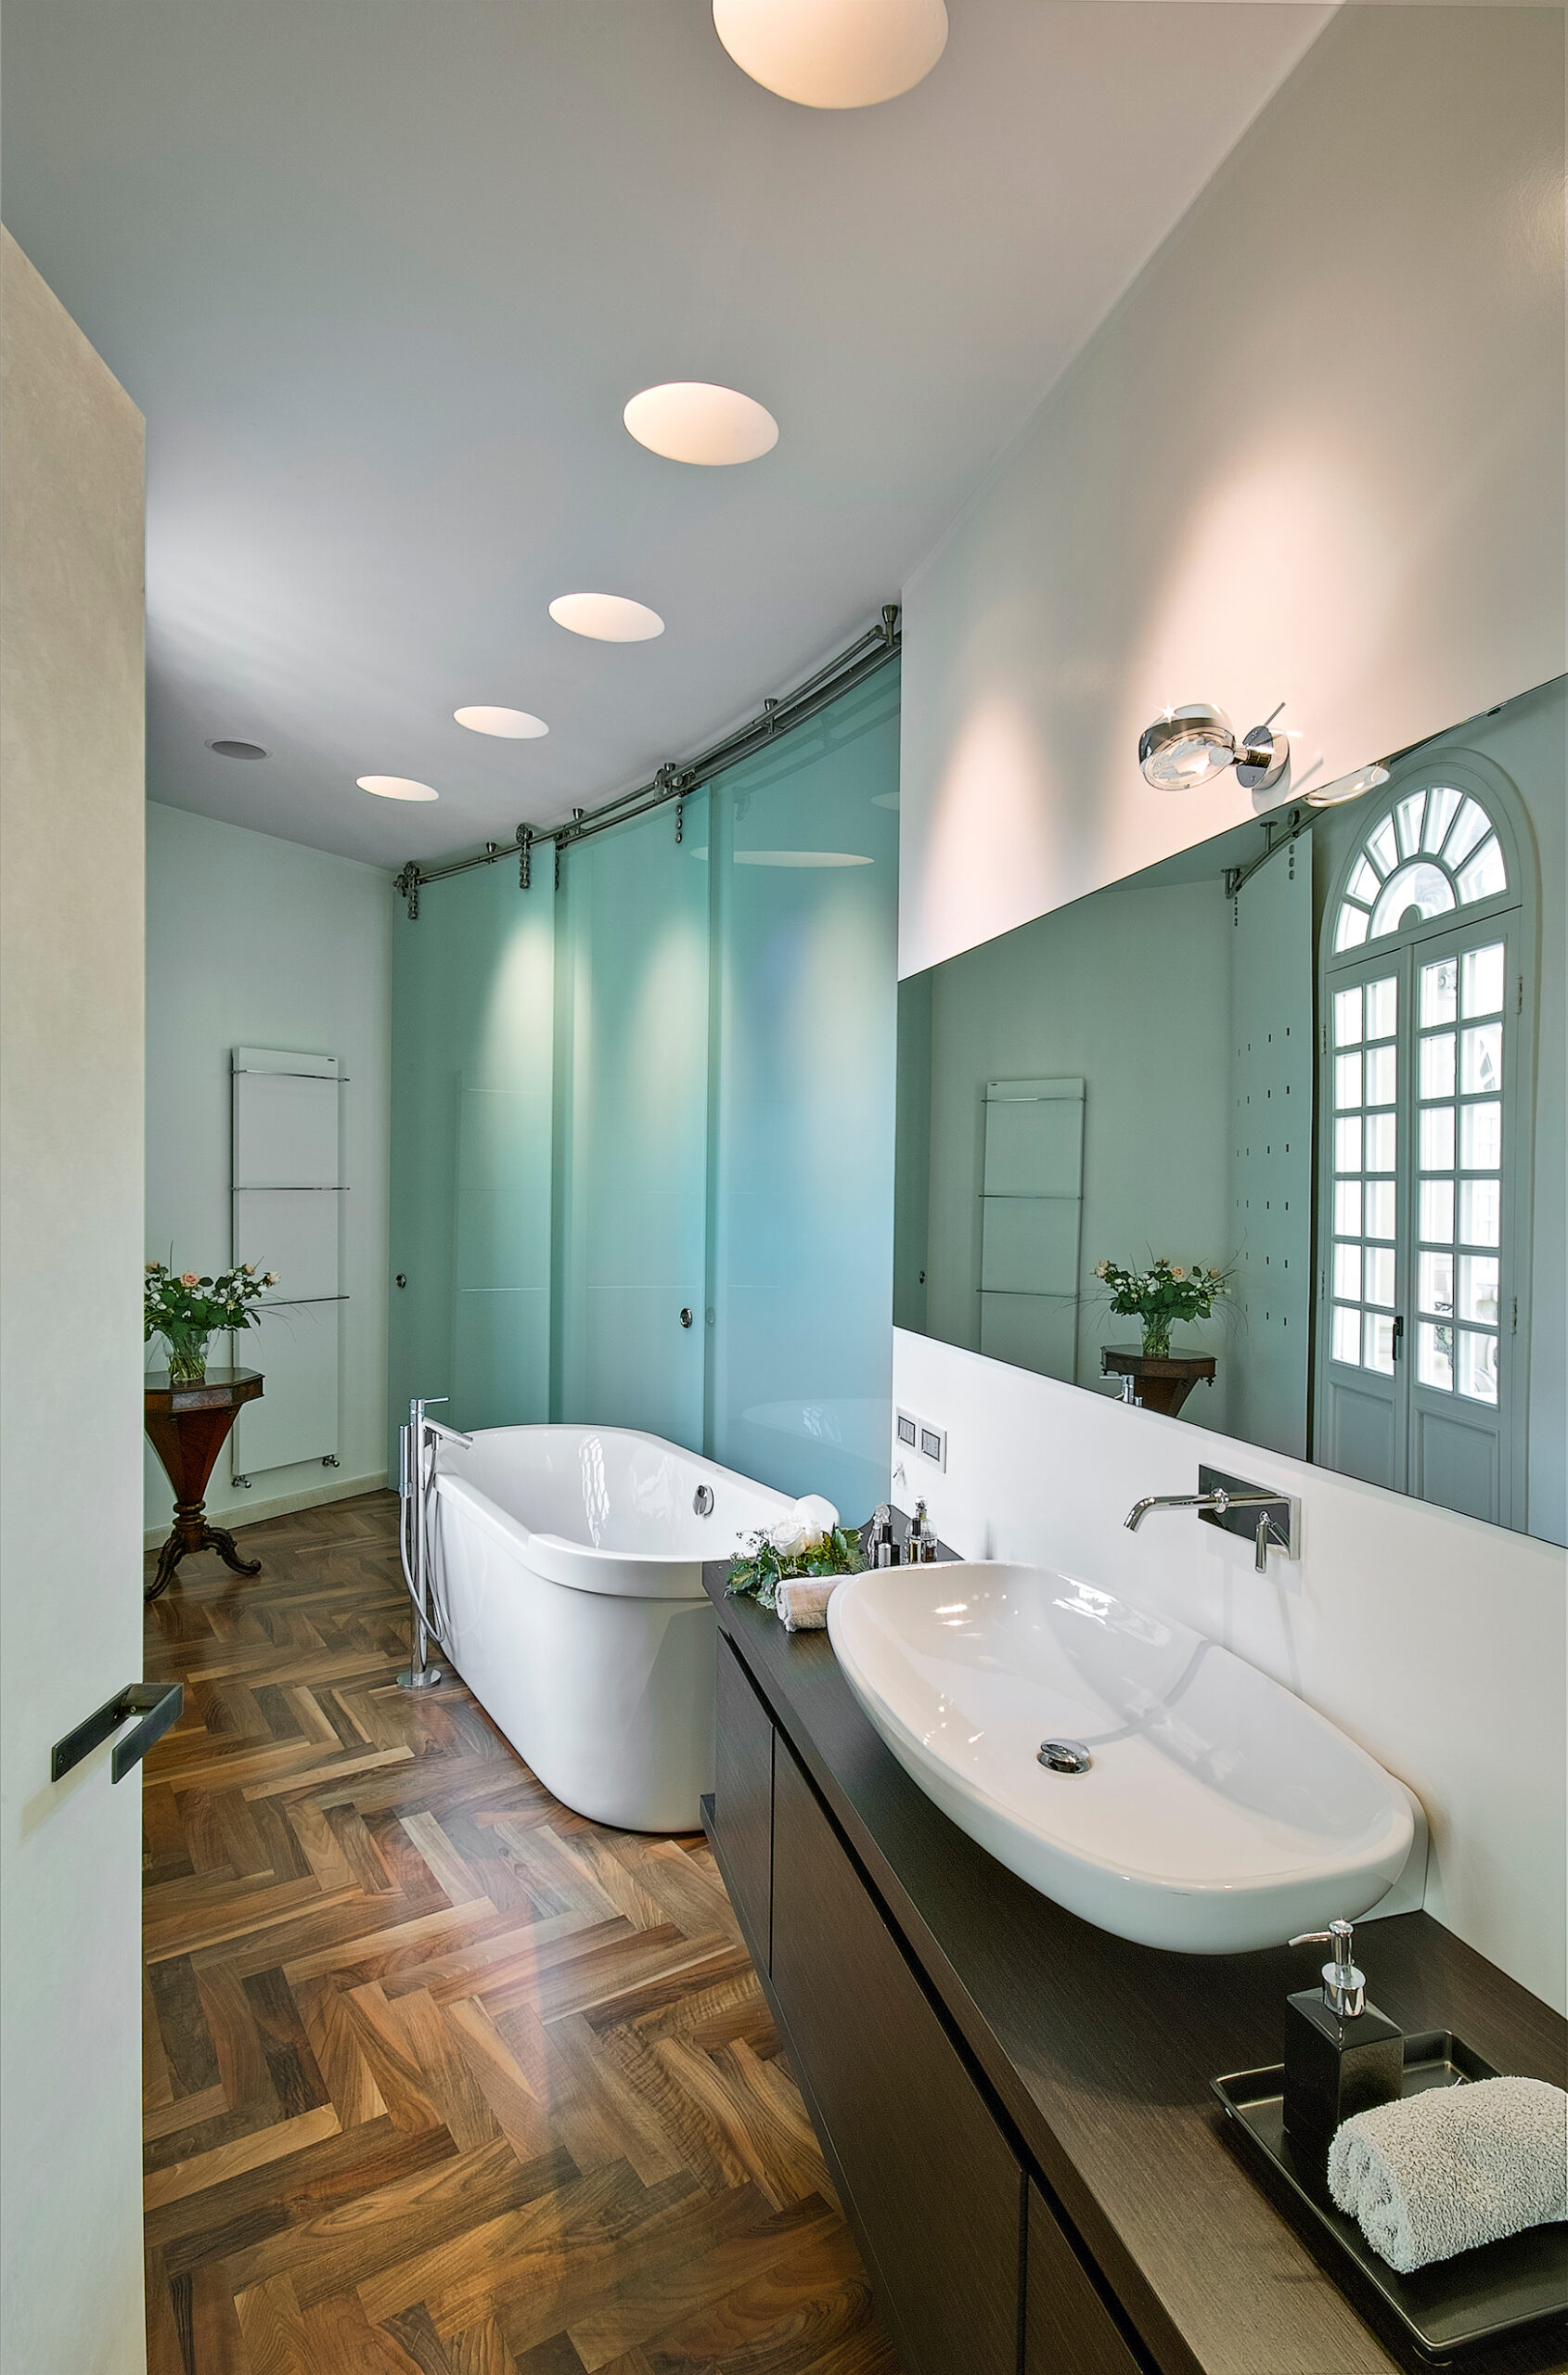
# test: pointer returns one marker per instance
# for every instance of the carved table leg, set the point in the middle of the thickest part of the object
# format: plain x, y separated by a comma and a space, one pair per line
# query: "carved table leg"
217, 1537
168, 1558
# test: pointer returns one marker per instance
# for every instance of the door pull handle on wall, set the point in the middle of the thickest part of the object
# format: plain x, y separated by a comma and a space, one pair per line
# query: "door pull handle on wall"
158, 1706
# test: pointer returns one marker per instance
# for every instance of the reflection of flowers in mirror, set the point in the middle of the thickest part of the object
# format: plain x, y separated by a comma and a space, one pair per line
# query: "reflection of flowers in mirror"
185, 1308
1164, 1293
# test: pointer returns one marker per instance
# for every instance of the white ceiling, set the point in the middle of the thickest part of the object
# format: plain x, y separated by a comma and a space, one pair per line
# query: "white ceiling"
382, 273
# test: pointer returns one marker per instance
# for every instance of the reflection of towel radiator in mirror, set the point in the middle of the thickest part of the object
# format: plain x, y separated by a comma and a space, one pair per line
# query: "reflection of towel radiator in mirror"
1031, 1203
287, 1190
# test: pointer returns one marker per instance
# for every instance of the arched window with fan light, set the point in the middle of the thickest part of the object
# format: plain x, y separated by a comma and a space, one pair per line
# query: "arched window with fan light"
1424, 1157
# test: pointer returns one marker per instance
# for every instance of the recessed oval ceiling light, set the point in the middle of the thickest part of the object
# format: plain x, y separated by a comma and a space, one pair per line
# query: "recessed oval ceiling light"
687, 421
397, 787
511, 724
833, 53
609, 618
228, 748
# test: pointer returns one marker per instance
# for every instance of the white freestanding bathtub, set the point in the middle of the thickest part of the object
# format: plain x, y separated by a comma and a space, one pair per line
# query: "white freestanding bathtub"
566, 1588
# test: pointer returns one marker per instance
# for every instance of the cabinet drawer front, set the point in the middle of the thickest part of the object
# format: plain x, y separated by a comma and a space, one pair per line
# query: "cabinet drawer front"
1067, 2329
743, 1797
936, 2192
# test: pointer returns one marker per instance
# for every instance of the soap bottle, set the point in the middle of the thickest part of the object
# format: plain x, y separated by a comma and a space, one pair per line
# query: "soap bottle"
882, 1544
1341, 2054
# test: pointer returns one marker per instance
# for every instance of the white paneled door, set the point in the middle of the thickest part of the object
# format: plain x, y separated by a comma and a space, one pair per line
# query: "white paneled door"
72, 869
1422, 1345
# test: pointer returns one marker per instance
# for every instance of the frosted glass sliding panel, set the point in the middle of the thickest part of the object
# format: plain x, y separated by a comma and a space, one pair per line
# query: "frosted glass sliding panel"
632, 1118
472, 1045
806, 858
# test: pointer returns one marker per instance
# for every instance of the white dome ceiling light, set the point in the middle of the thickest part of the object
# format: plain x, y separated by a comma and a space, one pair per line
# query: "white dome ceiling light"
397, 787
687, 421
609, 618
833, 53
511, 724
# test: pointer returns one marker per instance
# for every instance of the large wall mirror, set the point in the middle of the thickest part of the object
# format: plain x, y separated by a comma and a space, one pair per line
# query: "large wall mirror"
1322, 1054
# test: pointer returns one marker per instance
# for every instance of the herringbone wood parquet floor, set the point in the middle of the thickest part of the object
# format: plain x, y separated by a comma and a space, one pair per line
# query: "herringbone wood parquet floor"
439, 2078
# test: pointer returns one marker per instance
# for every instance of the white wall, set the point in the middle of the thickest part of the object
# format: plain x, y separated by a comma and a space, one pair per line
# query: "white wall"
70, 1188
1365, 519
1315, 455
253, 942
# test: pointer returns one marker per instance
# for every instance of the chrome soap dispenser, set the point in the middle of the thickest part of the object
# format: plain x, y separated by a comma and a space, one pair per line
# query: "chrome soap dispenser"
1341, 2054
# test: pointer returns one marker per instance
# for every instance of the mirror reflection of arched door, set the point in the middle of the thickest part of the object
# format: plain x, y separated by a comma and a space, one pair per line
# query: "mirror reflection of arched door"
1423, 1147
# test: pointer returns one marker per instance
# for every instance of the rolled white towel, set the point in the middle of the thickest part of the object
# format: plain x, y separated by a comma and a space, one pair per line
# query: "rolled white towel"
1442, 2171
803, 1601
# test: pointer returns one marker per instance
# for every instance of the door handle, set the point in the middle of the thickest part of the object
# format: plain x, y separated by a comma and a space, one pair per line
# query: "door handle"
1398, 1333
159, 1705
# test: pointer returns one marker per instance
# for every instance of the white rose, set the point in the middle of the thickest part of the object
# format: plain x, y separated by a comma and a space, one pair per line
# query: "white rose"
787, 1537
815, 1517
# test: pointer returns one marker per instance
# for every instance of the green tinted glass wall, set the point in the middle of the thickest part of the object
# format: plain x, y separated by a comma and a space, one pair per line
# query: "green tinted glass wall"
807, 848
631, 1124
472, 1047
666, 1086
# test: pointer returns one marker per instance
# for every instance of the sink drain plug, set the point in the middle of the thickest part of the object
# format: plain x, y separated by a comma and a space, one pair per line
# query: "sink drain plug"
1065, 1756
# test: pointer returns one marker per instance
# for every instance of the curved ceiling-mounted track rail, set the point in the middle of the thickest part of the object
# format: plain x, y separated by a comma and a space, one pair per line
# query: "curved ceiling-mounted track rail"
675, 779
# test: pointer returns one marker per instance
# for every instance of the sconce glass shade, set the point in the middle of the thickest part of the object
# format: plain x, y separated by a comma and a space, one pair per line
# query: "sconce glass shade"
1187, 747
1330, 795
833, 53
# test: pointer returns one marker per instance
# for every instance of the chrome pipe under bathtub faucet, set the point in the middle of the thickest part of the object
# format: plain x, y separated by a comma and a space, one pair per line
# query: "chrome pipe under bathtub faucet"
1216, 1496
418, 1442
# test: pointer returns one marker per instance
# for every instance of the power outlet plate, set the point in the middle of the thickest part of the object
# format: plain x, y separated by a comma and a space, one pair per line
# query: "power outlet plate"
913, 1433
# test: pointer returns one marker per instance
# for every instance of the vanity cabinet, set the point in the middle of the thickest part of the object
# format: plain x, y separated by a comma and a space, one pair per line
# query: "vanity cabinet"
1067, 2328
1015, 2107
743, 1797
935, 2191
972, 2269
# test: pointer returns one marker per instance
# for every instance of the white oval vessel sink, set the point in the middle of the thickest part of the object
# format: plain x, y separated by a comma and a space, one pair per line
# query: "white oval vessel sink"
1218, 1811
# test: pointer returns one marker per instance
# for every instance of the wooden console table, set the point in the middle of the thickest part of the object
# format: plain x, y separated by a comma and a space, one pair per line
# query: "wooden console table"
189, 1426
1158, 1385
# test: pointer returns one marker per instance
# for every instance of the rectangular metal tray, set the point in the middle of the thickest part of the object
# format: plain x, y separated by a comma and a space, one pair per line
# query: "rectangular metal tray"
1454, 2306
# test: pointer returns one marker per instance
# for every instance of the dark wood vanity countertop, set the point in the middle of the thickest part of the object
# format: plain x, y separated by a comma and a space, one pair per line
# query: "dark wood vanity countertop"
1099, 2053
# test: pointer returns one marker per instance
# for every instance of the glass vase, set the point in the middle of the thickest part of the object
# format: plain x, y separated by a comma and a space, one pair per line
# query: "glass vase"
1156, 1338
187, 1355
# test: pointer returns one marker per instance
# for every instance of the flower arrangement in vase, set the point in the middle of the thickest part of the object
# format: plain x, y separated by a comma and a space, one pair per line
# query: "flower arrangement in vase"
185, 1310
809, 1541
1161, 1295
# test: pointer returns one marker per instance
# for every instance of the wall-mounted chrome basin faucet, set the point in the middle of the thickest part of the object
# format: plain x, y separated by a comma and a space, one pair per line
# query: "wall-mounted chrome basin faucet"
1229, 1502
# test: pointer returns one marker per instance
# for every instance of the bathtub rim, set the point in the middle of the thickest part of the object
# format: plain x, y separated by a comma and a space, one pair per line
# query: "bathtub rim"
578, 1566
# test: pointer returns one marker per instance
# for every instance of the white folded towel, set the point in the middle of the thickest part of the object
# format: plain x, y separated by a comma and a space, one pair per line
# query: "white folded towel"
1442, 2171
803, 1601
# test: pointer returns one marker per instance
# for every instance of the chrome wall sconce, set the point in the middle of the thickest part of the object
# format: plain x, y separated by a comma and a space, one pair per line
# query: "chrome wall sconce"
1191, 746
